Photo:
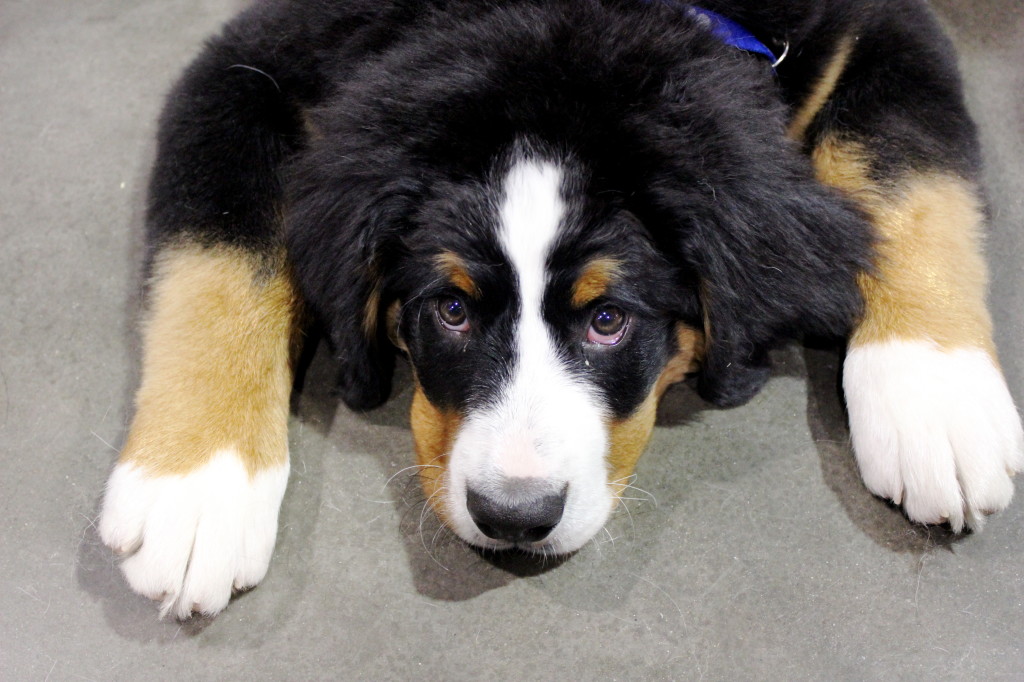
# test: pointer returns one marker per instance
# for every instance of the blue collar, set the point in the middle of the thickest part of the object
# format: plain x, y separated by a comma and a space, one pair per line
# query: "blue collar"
731, 33
727, 30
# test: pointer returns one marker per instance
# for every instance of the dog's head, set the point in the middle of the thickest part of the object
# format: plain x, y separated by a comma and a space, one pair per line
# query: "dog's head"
555, 216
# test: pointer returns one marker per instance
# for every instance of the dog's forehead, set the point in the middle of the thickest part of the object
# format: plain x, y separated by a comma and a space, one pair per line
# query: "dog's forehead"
531, 214
534, 221
539, 229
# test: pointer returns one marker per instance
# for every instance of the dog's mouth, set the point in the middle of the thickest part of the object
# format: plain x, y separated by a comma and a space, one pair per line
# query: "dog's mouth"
535, 549
544, 550
523, 563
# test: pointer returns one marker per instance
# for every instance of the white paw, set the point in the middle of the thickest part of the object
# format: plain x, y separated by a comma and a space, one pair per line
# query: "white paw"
193, 538
933, 430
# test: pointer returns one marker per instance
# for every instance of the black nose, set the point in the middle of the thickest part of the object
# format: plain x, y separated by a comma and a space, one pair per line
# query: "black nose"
520, 510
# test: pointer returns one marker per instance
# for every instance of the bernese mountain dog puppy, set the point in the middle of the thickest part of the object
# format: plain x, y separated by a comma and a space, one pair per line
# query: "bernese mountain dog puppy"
554, 209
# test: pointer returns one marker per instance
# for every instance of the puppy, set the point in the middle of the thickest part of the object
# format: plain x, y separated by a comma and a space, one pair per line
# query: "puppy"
555, 209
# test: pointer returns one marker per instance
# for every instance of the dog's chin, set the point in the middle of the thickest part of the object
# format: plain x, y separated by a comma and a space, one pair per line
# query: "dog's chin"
521, 562
544, 548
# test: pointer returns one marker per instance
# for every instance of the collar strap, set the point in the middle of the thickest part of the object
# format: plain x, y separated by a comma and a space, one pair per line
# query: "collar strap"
728, 31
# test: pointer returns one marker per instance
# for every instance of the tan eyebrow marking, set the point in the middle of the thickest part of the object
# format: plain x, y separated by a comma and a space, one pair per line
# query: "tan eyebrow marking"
454, 269
597, 276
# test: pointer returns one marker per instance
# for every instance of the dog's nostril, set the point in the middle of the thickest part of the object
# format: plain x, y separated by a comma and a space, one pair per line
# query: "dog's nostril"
523, 510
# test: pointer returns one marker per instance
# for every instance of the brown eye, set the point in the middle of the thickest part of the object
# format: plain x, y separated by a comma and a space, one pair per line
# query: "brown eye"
607, 325
452, 314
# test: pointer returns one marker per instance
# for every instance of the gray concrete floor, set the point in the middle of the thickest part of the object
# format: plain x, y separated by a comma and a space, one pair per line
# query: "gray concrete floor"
763, 558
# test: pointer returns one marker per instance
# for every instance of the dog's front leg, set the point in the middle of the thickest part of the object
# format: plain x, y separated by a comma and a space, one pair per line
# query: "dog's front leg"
193, 501
933, 424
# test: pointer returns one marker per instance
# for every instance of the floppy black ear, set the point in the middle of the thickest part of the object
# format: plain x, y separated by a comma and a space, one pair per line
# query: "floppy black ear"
342, 220
776, 253
777, 258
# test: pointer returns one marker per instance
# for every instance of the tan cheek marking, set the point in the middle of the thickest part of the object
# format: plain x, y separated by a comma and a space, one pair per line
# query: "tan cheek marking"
370, 314
313, 131
394, 310
930, 280
822, 90
433, 432
686, 360
216, 368
629, 437
597, 276
453, 268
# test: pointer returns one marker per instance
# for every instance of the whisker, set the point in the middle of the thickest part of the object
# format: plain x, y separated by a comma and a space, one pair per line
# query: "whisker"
640, 490
632, 522
423, 540
408, 468
426, 507
442, 531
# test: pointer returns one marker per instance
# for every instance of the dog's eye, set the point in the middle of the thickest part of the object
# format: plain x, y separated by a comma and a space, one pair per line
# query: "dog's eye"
452, 314
607, 325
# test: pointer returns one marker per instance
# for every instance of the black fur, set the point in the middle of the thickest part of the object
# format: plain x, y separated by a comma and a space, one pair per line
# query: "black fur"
365, 136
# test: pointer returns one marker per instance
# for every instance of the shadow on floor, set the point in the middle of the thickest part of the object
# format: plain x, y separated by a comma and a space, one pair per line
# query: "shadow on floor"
880, 520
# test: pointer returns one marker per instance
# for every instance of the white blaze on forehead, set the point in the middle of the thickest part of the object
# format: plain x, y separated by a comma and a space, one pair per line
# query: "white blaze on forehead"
531, 214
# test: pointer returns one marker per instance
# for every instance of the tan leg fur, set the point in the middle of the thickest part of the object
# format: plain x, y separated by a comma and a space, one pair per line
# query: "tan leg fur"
930, 280
217, 362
